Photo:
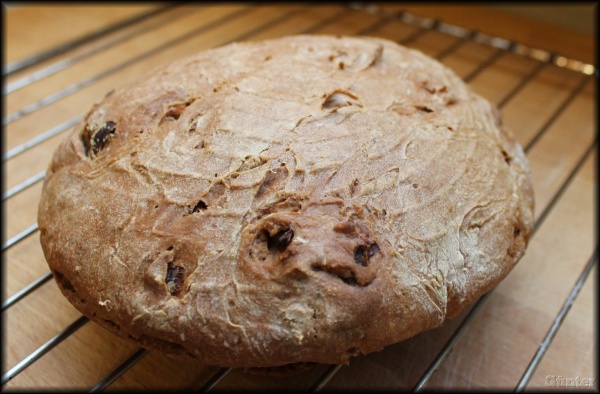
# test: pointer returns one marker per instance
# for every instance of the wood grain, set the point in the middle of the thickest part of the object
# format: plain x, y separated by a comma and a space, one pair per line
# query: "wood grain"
497, 347
577, 332
40, 27
498, 23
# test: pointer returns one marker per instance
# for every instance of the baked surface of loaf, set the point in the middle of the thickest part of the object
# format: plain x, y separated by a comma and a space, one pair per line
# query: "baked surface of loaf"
303, 199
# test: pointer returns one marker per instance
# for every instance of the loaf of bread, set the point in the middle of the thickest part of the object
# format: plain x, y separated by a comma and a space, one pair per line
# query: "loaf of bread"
297, 200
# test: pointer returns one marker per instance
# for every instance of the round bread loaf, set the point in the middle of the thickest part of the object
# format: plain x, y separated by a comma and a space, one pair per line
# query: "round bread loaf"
298, 200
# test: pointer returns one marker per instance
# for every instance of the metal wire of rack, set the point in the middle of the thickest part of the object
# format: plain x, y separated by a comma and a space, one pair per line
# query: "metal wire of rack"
476, 55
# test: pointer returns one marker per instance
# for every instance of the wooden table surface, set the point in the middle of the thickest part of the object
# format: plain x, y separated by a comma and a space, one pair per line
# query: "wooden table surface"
550, 108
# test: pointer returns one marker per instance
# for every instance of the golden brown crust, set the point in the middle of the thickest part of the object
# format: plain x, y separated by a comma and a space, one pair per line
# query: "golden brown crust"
299, 200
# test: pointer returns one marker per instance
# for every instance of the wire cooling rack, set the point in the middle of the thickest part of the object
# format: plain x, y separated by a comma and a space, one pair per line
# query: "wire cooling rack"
532, 331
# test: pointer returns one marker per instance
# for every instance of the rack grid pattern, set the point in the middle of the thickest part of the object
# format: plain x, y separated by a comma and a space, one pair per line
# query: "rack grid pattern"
510, 338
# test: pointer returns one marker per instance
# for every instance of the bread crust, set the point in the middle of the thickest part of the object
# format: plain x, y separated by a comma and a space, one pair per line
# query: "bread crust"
298, 200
